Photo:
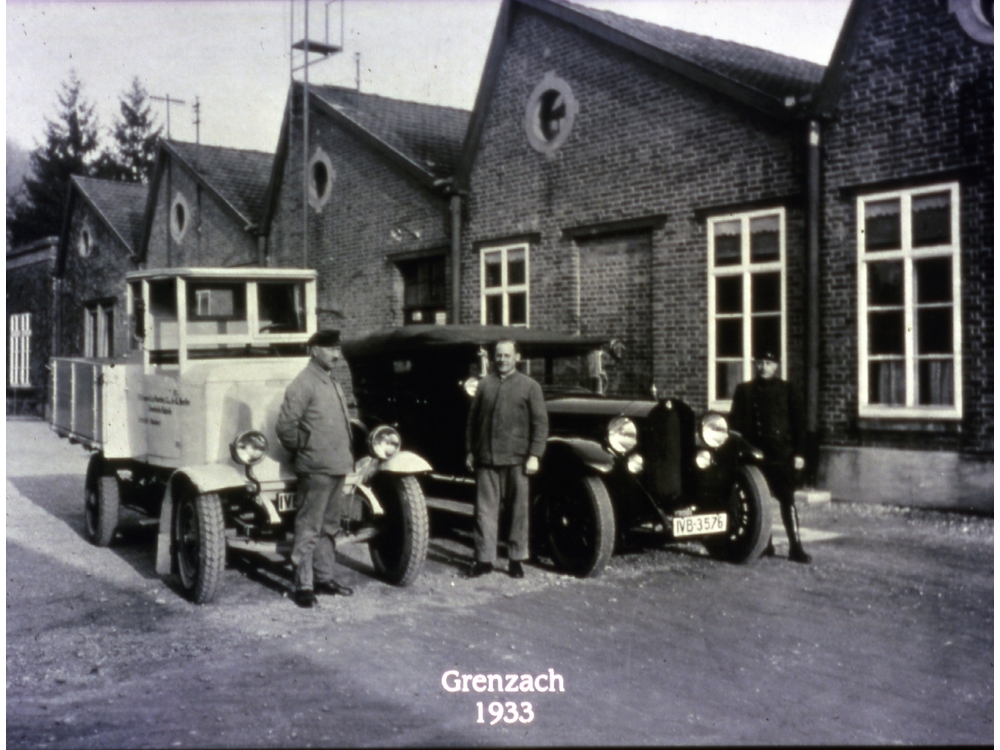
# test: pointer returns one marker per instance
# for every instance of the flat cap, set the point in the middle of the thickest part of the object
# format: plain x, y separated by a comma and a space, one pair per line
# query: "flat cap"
327, 337
769, 355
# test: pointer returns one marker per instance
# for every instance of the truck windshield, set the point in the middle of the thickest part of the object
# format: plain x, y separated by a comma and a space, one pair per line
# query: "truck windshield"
281, 307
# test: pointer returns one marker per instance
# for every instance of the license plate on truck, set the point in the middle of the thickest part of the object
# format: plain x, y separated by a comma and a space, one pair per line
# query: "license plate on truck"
285, 501
704, 523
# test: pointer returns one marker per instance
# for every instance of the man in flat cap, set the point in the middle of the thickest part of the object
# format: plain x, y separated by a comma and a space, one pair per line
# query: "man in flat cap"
765, 412
506, 433
314, 427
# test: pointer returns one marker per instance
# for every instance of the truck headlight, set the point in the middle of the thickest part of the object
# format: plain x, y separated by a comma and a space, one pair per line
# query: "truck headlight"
622, 435
714, 430
249, 448
384, 442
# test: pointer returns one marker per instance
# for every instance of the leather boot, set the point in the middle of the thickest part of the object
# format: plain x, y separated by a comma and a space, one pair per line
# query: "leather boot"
790, 518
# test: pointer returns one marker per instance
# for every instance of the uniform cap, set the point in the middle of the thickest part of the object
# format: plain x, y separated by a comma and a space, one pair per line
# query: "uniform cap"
768, 355
326, 337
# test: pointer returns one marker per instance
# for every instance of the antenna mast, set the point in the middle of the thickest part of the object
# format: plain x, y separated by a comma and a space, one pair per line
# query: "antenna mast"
169, 101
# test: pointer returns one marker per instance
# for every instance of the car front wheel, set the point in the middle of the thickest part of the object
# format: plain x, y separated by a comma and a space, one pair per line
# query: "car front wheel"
578, 524
400, 549
101, 502
199, 545
749, 518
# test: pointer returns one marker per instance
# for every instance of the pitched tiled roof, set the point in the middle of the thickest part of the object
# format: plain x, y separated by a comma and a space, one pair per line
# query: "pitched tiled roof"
430, 136
122, 204
762, 70
240, 177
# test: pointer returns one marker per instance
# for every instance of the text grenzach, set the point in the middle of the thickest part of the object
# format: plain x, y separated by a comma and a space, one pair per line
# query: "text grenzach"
455, 682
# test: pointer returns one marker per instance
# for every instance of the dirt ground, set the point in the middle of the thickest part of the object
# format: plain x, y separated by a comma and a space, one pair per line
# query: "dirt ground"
886, 638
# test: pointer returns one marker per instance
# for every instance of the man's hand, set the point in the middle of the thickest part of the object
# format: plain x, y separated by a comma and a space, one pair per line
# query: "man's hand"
470, 462
800, 463
531, 465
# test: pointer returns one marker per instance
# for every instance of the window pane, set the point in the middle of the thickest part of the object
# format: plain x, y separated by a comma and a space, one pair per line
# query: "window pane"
163, 299
764, 238
937, 382
518, 307
515, 267
729, 338
931, 219
281, 307
885, 283
727, 243
882, 230
494, 310
934, 331
885, 332
226, 301
494, 270
766, 332
765, 292
729, 294
727, 377
886, 384
933, 280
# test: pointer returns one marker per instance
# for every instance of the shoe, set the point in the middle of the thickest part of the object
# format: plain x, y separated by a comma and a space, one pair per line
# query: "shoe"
799, 555
515, 569
479, 569
333, 588
305, 598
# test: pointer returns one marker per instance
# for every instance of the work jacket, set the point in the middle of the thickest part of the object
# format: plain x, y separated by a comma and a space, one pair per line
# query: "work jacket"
508, 421
313, 424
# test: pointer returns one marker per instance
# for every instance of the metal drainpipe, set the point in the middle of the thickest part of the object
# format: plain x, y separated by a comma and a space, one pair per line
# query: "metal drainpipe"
456, 263
812, 281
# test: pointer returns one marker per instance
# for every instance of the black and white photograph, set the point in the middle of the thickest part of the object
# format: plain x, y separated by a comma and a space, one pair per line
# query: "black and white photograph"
499, 373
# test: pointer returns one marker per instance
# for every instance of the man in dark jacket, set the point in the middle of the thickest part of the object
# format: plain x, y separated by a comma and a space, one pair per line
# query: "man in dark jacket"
765, 412
314, 426
507, 429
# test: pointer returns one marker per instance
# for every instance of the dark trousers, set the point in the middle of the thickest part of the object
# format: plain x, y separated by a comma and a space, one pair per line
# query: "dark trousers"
496, 485
316, 524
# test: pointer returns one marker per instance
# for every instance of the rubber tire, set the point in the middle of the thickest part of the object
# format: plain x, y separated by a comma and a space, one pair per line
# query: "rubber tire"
102, 499
585, 501
199, 545
750, 519
400, 550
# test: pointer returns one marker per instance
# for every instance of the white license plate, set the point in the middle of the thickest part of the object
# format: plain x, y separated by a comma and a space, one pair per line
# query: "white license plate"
285, 501
706, 523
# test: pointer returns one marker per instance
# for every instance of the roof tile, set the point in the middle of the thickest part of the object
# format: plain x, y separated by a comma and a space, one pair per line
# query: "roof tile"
122, 204
239, 176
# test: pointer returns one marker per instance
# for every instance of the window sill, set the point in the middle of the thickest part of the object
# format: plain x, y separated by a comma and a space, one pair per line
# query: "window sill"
917, 423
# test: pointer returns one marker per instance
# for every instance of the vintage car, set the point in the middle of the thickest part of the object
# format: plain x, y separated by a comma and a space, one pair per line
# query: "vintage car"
615, 464
183, 429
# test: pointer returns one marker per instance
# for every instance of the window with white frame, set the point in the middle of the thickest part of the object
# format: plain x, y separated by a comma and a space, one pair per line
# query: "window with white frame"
504, 273
19, 372
98, 329
909, 331
746, 297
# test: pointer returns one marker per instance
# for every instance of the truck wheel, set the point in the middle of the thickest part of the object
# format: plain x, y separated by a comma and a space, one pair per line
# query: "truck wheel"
101, 502
578, 524
749, 518
199, 545
400, 549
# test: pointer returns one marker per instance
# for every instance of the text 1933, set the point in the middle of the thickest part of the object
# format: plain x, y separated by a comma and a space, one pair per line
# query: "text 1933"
507, 712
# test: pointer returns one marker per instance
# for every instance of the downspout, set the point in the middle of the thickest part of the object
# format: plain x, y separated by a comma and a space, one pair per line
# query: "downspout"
169, 211
812, 296
456, 261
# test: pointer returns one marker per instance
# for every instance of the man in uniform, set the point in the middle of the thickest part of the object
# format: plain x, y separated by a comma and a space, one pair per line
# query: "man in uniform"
315, 428
765, 413
506, 435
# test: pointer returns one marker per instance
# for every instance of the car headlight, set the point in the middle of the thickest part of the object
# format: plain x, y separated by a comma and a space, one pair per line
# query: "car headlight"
714, 430
384, 442
703, 459
469, 385
622, 435
634, 464
249, 448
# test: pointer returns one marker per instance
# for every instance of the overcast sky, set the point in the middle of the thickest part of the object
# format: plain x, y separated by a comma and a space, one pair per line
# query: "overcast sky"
233, 56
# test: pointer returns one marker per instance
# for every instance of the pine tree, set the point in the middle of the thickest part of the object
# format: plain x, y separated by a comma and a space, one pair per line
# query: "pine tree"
70, 147
131, 157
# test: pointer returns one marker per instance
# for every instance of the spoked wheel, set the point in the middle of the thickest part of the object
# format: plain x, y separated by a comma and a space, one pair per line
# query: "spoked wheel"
101, 502
749, 518
578, 524
199, 545
400, 549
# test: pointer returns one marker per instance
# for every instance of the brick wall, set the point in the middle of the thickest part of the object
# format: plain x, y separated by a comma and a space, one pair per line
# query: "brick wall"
917, 99
644, 142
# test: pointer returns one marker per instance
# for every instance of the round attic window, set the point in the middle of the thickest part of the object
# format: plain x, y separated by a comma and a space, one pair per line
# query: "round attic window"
321, 176
549, 115
180, 217
85, 245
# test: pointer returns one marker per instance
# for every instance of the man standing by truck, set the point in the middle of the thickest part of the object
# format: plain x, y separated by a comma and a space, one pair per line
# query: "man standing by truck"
315, 428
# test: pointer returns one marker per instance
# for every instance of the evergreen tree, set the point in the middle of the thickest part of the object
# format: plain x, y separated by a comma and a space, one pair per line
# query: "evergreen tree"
131, 157
69, 148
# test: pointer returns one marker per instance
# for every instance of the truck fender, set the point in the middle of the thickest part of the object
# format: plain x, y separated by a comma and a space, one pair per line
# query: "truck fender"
202, 479
405, 462
587, 452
